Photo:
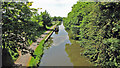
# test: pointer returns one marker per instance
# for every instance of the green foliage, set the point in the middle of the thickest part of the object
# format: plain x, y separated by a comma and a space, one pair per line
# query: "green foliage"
96, 26
16, 25
35, 60
21, 26
46, 19
37, 55
14, 54
57, 18
56, 22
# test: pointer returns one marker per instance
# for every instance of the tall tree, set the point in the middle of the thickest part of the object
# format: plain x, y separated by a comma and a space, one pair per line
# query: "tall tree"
46, 19
96, 25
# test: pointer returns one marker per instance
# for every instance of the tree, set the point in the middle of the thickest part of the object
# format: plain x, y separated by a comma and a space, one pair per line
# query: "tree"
46, 19
97, 28
55, 18
19, 25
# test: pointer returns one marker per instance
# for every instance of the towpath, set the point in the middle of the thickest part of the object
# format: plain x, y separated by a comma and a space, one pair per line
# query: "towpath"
24, 59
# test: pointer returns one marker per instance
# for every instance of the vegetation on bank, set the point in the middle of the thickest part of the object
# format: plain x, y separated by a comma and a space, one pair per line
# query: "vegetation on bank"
57, 18
96, 25
35, 60
21, 26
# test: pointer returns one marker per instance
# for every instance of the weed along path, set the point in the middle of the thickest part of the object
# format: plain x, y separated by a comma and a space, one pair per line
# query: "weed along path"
25, 59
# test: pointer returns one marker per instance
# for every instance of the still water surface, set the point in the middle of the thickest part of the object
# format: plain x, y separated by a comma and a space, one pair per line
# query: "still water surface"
62, 51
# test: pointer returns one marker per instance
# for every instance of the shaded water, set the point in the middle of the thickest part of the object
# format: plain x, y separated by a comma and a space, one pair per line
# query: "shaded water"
62, 51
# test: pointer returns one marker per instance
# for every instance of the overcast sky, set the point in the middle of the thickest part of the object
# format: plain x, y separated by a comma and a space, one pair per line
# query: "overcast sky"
54, 7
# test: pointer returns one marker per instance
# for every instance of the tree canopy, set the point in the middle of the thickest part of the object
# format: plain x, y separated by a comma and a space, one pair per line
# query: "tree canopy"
57, 18
21, 25
96, 25
46, 19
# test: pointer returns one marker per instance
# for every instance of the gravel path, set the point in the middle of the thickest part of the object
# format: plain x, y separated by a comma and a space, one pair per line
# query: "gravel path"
24, 59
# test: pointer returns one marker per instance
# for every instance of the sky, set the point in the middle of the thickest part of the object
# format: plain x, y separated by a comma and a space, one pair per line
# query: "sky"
54, 7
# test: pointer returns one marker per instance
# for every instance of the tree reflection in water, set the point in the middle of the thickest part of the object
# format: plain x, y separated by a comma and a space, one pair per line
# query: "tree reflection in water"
73, 52
56, 32
48, 44
62, 51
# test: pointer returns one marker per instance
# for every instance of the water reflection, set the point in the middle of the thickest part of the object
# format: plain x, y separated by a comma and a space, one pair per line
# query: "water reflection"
61, 51
47, 45
56, 55
57, 29
56, 32
73, 52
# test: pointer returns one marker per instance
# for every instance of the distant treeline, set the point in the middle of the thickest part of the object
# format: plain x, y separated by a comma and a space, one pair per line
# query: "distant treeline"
57, 18
96, 26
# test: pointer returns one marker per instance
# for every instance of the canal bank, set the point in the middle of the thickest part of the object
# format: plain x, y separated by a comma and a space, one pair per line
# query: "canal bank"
25, 60
60, 50
38, 53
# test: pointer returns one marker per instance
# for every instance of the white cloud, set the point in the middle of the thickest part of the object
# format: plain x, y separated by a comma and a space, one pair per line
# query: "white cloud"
54, 7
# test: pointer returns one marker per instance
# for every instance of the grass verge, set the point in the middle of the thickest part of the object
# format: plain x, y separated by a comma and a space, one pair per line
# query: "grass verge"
38, 54
35, 61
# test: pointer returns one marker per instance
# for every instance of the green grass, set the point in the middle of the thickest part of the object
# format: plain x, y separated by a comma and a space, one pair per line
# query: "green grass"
38, 52
55, 22
48, 27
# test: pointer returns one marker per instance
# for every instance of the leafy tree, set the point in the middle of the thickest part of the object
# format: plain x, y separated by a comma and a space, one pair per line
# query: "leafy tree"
46, 19
96, 26
57, 18
20, 24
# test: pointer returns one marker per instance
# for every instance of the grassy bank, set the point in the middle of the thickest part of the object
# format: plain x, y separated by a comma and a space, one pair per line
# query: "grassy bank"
38, 53
14, 53
35, 61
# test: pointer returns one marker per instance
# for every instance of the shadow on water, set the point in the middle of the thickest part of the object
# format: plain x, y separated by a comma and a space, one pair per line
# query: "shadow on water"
56, 32
48, 44
73, 50
62, 51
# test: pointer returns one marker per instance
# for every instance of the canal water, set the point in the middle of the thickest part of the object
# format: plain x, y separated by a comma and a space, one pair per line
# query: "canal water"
62, 51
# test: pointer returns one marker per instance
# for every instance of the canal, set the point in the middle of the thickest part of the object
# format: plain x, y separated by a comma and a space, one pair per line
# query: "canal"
60, 50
